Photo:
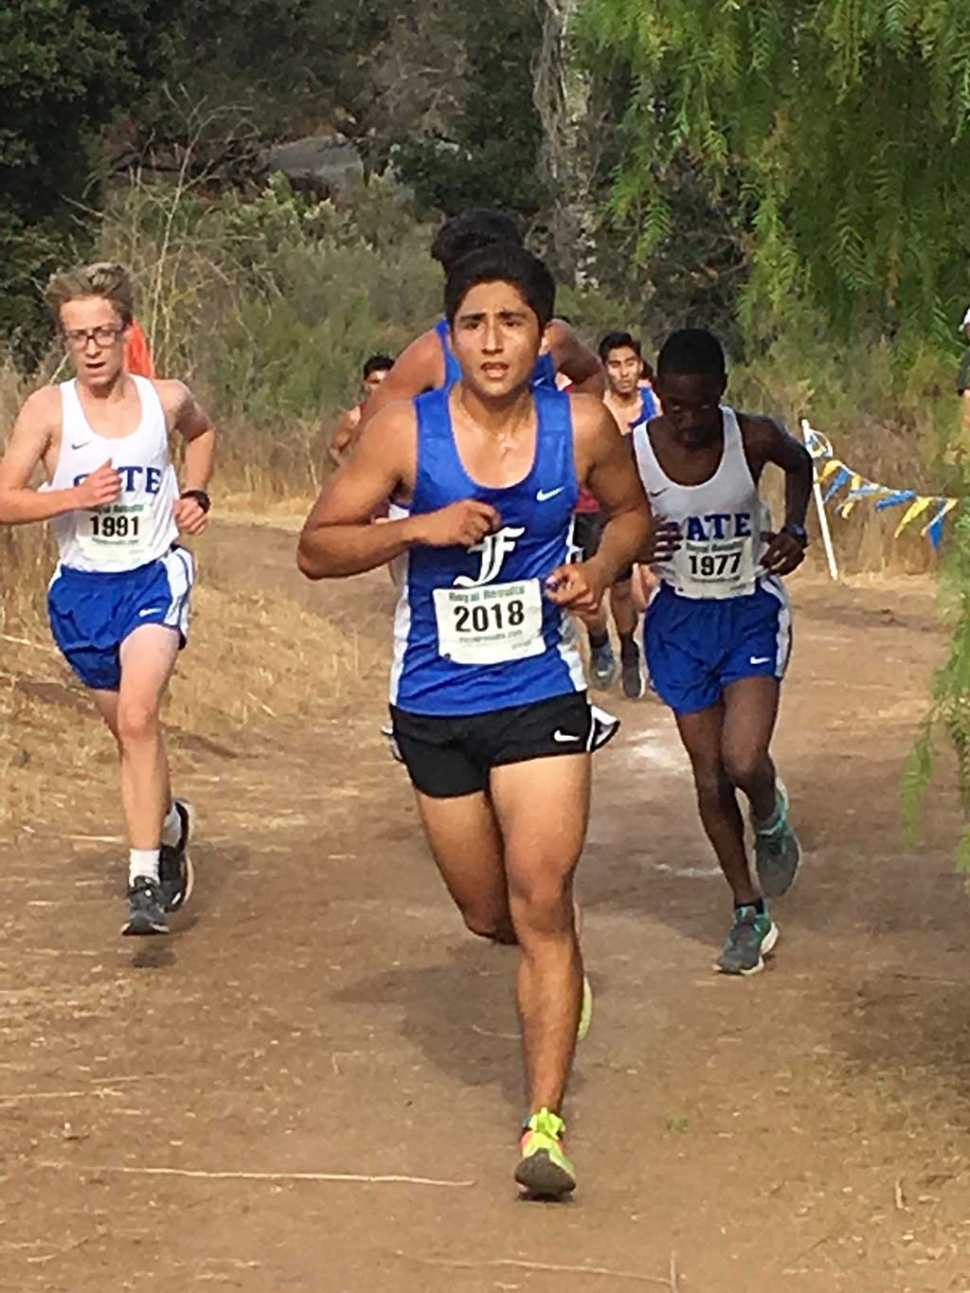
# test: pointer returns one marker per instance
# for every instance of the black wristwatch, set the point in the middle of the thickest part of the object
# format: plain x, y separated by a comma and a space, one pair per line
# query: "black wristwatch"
200, 496
797, 532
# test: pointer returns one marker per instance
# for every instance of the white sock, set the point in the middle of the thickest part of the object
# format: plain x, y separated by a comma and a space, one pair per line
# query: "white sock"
142, 863
172, 827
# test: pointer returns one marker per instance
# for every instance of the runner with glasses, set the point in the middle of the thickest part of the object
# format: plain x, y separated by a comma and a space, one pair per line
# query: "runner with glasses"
119, 600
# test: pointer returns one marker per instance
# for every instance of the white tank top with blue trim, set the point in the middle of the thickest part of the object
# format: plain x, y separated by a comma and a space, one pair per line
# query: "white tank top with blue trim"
721, 520
139, 527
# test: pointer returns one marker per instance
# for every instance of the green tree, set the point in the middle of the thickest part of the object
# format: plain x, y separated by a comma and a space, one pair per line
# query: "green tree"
837, 130
65, 72
487, 152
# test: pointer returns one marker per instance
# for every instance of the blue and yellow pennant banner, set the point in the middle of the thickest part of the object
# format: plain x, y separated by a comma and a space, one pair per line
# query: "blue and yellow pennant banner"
845, 488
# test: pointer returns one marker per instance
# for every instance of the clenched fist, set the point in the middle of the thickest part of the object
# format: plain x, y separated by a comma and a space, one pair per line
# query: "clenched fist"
458, 525
190, 517
102, 486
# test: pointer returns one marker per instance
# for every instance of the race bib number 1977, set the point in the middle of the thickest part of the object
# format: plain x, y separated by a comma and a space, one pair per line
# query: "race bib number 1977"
712, 569
490, 623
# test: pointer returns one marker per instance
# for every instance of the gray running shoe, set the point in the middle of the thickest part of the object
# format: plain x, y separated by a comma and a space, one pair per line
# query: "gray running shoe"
146, 908
604, 666
749, 942
175, 872
632, 677
777, 852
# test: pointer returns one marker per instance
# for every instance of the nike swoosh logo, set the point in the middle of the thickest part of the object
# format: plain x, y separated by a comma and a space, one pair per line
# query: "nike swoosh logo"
83, 445
544, 494
563, 737
153, 610
655, 493
761, 659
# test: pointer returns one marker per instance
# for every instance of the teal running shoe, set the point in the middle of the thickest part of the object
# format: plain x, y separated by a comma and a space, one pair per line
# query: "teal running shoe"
752, 937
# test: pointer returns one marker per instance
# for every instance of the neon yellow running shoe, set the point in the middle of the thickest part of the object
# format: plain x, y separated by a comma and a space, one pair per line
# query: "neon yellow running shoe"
586, 1013
544, 1170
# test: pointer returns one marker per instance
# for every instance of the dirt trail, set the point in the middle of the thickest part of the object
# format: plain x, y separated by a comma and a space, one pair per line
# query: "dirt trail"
321, 1011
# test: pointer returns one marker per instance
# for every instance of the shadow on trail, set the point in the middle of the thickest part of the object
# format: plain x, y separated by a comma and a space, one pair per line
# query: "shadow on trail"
460, 1012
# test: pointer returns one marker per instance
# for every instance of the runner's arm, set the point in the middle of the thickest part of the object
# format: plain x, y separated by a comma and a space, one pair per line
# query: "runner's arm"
189, 419
342, 437
796, 462
194, 426
773, 444
339, 538
615, 482
30, 439
420, 368
574, 359
611, 475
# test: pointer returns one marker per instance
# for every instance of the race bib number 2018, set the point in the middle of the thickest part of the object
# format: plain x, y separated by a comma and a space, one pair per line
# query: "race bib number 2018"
491, 623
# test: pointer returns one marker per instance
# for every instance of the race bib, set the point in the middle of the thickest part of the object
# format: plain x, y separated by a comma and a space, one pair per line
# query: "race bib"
712, 569
491, 623
114, 530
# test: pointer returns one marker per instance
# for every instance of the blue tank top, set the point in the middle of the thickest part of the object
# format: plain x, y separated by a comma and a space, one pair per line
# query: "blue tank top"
544, 373
648, 408
473, 630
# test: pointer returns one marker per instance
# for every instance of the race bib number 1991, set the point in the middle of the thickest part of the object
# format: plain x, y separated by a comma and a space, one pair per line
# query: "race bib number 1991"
114, 528
490, 623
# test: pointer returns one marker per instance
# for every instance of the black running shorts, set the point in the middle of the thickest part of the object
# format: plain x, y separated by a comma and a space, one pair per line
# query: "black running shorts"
449, 757
588, 529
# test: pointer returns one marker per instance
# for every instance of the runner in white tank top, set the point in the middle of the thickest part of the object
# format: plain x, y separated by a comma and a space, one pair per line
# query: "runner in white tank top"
119, 598
140, 526
717, 630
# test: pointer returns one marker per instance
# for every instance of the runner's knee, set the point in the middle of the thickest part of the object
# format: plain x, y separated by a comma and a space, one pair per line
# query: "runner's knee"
542, 905
136, 722
711, 782
743, 766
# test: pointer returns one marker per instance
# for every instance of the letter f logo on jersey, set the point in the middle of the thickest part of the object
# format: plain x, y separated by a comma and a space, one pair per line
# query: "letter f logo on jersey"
494, 549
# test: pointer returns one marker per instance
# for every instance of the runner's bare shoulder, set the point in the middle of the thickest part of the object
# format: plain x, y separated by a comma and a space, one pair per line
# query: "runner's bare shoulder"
420, 367
390, 439
174, 395
591, 418
40, 415
181, 408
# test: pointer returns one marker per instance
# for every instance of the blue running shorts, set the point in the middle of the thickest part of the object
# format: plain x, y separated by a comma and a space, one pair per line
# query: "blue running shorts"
92, 613
694, 649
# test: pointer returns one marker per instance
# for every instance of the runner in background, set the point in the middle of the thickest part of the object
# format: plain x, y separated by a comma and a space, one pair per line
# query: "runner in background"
718, 630
428, 363
119, 599
629, 397
138, 352
375, 371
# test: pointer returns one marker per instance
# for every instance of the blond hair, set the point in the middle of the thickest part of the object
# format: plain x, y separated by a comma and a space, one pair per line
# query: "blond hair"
103, 278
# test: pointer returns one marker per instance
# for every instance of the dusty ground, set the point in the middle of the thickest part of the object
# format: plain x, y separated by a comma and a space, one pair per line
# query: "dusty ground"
321, 1011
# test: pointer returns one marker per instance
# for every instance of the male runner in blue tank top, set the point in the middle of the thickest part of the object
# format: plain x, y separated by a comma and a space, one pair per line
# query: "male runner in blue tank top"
119, 599
487, 690
717, 631
429, 361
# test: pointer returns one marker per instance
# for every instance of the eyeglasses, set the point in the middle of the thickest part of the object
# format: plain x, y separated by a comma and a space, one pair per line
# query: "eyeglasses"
103, 337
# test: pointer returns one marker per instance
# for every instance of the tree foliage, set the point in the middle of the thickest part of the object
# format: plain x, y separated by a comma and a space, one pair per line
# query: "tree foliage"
840, 125
65, 69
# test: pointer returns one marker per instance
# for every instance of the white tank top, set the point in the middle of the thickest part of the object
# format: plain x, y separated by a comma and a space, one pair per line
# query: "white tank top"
721, 520
140, 526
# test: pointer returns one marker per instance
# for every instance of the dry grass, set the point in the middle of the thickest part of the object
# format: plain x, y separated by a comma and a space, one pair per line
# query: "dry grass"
261, 657
253, 661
